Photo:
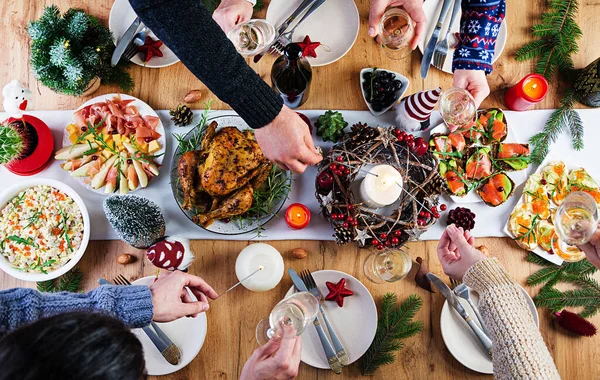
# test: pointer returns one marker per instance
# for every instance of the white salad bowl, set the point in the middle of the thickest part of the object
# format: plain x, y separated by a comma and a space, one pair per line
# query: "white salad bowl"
13, 191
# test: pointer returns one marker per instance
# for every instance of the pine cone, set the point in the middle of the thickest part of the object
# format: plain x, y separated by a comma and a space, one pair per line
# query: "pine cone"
342, 235
461, 217
182, 115
361, 134
436, 186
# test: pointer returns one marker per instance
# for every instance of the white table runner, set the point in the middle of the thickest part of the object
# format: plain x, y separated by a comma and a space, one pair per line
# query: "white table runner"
489, 221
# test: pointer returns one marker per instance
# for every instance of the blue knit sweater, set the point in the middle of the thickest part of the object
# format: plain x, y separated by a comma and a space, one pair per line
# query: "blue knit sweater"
130, 304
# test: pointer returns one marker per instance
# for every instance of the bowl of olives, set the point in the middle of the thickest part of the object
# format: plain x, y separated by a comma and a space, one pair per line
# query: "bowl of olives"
382, 89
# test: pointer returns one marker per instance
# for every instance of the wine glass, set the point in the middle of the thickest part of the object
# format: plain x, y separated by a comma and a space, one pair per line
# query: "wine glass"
457, 107
252, 37
576, 221
388, 266
396, 30
297, 310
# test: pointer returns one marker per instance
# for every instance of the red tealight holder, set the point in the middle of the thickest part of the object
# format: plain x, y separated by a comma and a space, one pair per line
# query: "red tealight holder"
297, 216
530, 90
40, 157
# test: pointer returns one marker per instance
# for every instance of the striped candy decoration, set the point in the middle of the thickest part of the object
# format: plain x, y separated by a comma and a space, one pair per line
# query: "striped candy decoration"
420, 105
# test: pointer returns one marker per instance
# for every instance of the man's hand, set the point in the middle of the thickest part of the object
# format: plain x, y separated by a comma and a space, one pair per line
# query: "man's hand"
414, 8
279, 359
473, 81
592, 249
171, 299
456, 252
287, 142
232, 12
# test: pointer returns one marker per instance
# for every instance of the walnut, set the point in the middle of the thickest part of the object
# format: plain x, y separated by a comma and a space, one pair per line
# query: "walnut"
125, 258
299, 253
193, 96
483, 249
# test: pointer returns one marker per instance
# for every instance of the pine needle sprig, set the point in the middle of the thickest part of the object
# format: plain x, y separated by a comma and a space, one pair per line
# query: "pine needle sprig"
395, 323
68, 282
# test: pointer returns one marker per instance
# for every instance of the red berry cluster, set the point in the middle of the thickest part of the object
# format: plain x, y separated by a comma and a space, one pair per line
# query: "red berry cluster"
339, 169
347, 220
424, 217
387, 240
417, 145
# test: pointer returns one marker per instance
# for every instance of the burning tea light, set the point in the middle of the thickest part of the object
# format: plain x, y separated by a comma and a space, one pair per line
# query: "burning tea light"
297, 216
530, 90
381, 186
263, 259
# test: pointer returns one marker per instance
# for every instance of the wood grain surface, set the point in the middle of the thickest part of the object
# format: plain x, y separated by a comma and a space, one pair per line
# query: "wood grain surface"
231, 320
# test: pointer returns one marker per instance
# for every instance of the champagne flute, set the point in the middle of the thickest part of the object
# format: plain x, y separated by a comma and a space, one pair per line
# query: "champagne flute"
396, 32
457, 107
388, 266
576, 221
297, 310
252, 37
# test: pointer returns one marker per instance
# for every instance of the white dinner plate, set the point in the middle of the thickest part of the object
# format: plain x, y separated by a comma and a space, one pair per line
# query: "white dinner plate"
432, 10
188, 334
462, 342
355, 324
335, 25
121, 16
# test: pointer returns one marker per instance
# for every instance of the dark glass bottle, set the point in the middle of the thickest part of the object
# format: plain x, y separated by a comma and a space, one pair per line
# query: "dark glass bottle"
291, 75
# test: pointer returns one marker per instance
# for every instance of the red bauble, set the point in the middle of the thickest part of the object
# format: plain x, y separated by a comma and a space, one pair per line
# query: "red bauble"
325, 180
306, 120
443, 207
337, 292
40, 158
420, 146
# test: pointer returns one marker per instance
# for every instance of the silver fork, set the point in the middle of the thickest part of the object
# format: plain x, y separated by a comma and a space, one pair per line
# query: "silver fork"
286, 38
138, 40
454, 283
441, 49
462, 291
311, 285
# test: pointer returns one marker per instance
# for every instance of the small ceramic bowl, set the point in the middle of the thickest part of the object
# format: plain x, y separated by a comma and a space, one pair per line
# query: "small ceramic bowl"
403, 80
13, 191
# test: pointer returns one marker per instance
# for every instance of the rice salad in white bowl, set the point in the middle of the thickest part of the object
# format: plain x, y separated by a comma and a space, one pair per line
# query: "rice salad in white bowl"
44, 229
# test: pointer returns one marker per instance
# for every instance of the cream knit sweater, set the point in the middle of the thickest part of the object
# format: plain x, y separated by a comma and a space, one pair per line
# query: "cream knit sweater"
519, 351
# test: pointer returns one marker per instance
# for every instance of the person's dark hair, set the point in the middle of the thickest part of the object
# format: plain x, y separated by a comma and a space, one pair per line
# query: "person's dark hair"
82, 346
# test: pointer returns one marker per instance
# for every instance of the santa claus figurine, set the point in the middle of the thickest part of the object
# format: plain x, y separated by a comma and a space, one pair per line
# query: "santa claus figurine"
171, 253
414, 111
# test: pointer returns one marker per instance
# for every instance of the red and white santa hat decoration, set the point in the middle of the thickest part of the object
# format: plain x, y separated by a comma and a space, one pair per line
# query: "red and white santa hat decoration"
171, 253
414, 111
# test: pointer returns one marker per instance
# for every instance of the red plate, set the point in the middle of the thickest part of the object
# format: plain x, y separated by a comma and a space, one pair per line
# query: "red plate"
40, 158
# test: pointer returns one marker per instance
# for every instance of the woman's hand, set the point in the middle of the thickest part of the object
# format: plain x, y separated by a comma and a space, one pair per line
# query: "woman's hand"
414, 8
171, 299
592, 249
232, 12
473, 81
456, 252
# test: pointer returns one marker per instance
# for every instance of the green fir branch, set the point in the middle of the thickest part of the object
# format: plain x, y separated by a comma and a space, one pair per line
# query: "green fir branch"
68, 282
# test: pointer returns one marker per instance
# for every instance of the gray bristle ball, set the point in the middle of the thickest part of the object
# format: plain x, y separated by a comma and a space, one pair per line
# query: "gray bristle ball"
137, 220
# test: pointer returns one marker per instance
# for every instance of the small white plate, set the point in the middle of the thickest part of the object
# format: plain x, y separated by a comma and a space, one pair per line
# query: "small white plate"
403, 80
121, 16
432, 10
355, 324
188, 334
462, 342
335, 25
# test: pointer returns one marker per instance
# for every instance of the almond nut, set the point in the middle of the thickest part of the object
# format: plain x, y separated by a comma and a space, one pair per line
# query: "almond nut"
299, 253
483, 249
125, 258
193, 96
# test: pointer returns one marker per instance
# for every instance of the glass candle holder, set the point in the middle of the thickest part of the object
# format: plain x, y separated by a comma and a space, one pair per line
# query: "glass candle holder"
387, 266
530, 90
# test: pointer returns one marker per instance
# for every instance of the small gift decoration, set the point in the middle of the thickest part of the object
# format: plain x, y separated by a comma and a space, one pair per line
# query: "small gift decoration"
414, 111
171, 253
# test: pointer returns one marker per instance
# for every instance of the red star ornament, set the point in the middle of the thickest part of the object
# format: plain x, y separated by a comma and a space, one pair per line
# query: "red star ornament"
151, 48
337, 292
308, 47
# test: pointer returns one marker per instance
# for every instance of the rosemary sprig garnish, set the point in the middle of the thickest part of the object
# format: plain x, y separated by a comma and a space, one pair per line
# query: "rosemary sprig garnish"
529, 234
17, 201
90, 129
65, 230
20, 240
372, 79
198, 131
33, 218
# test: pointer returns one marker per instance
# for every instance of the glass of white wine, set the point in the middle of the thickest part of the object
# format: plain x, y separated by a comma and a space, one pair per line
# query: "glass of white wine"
387, 266
252, 37
457, 107
297, 310
396, 30
576, 220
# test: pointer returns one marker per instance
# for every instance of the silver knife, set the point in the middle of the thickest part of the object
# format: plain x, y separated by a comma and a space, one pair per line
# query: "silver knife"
456, 305
124, 42
428, 53
334, 362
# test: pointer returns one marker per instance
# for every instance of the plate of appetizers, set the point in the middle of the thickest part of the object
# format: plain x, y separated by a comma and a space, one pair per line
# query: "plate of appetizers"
222, 181
115, 143
531, 223
482, 162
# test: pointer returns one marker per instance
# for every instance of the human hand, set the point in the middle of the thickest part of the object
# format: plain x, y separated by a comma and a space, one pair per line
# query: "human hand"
592, 249
414, 8
232, 12
171, 299
473, 81
456, 252
279, 359
287, 142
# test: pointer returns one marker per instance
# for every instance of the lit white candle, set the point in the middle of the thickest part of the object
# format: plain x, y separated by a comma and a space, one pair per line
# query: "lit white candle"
256, 256
381, 187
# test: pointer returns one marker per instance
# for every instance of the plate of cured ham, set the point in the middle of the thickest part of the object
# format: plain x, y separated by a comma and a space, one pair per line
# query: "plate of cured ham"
115, 143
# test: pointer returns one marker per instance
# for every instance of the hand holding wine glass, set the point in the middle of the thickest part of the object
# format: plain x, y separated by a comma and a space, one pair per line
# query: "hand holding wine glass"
456, 252
232, 12
414, 8
592, 249
473, 81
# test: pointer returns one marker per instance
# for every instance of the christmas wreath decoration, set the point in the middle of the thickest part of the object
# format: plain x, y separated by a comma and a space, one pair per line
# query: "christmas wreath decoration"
346, 164
69, 51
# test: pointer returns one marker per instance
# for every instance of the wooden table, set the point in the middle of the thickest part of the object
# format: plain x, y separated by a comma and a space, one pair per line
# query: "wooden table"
230, 340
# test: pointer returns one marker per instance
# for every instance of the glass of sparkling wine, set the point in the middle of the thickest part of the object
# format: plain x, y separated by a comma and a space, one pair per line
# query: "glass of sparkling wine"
297, 310
576, 219
252, 37
387, 266
396, 31
457, 107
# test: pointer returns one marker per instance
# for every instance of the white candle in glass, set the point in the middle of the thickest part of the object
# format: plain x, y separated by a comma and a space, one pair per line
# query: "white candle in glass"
381, 186
257, 255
